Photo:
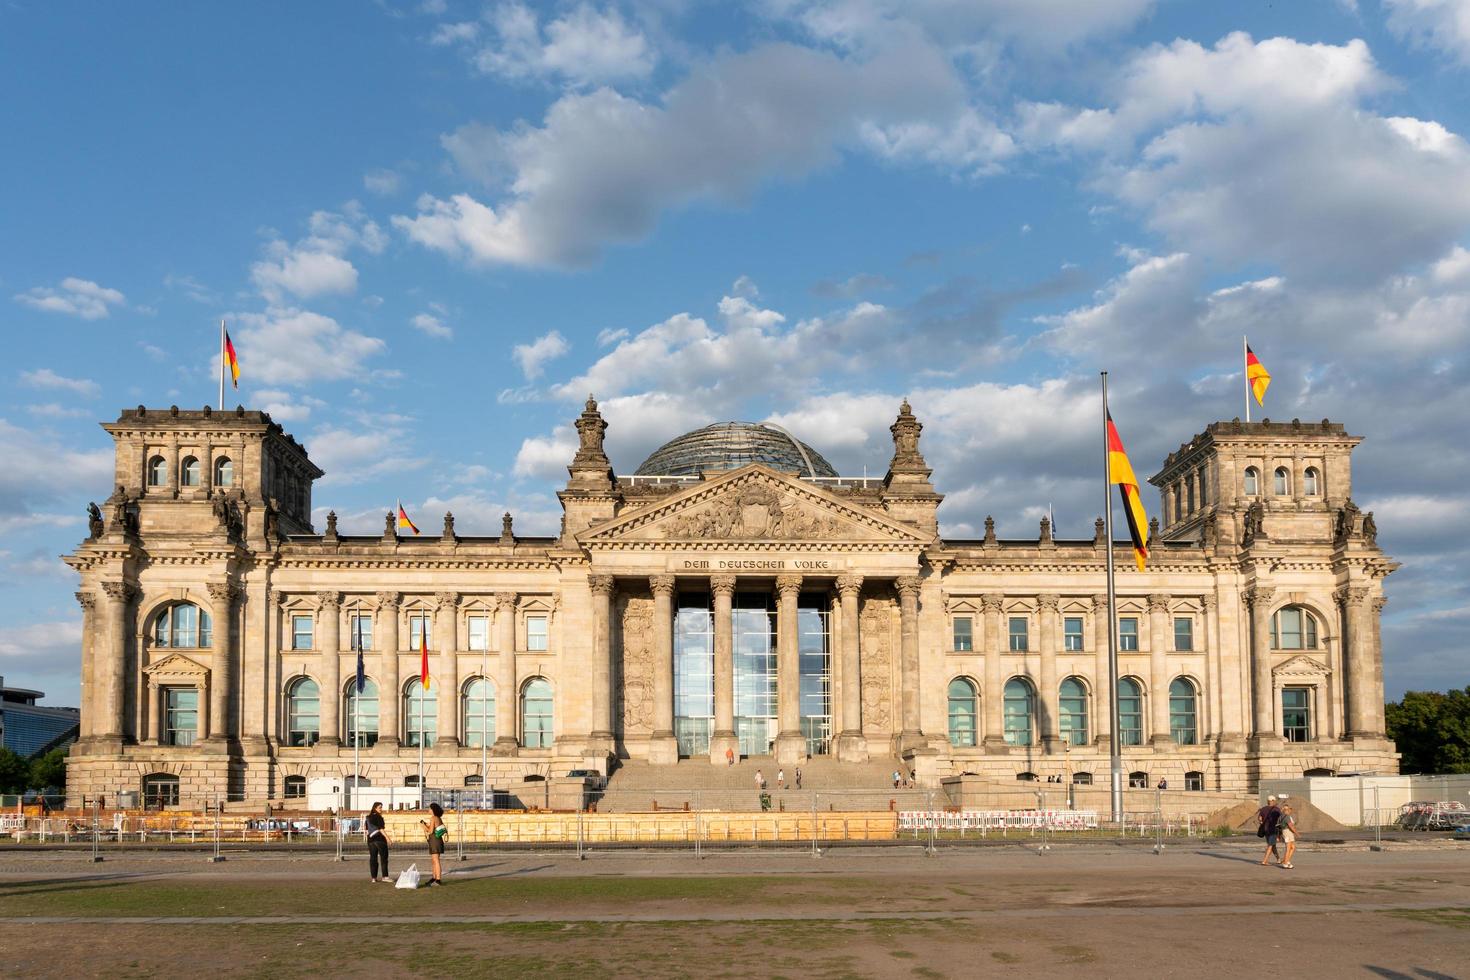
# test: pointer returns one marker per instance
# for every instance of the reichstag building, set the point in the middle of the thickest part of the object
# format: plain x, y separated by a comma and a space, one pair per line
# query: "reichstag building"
733, 595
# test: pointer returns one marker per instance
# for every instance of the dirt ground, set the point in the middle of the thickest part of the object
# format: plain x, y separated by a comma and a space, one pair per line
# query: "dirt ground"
1202, 910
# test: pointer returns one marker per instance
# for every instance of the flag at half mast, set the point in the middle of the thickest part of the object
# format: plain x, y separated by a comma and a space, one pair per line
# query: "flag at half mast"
1256, 376
1120, 471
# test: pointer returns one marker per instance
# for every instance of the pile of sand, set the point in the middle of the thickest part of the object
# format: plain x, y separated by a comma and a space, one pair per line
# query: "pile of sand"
1241, 818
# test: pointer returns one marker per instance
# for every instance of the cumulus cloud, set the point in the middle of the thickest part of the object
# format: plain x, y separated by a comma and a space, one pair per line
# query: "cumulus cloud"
74, 297
28, 481
48, 654
532, 357
431, 325
286, 406
49, 379
1440, 24
316, 264
291, 346
1035, 23
382, 182
351, 455
602, 167
584, 46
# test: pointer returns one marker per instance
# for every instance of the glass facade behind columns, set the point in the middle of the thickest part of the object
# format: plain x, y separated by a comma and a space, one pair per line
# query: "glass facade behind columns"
694, 674
755, 672
814, 646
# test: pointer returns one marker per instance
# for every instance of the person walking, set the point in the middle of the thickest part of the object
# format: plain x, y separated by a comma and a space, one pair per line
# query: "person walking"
897, 779
377, 840
729, 756
798, 777
760, 781
1266, 818
435, 832
780, 778
1286, 827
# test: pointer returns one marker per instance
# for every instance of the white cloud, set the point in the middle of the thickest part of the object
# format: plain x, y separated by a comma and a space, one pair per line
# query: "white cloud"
432, 326
532, 357
51, 410
1442, 24
353, 455
74, 297
1035, 23
28, 481
584, 46
287, 346
610, 336
315, 265
602, 167
382, 182
547, 457
286, 406
47, 378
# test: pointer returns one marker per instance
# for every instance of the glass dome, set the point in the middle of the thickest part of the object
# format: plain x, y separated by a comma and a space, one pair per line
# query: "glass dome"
730, 445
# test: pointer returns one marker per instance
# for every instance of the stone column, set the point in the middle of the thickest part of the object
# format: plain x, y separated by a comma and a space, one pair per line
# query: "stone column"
1047, 608
790, 743
1158, 669
602, 693
1380, 724
723, 588
1263, 696
994, 699
912, 735
507, 693
330, 615
852, 746
446, 634
1359, 660
90, 708
390, 695
113, 729
1102, 693
1213, 726
222, 665
663, 747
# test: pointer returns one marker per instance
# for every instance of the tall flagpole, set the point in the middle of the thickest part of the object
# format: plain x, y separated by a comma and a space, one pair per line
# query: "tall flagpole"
356, 708
1115, 747
222, 364
484, 722
1245, 366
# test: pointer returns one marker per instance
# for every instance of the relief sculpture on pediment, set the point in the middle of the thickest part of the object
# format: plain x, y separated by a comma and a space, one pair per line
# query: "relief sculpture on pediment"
753, 512
636, 688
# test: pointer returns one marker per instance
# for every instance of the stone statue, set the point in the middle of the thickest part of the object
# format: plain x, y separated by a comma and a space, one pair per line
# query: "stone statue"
1347, 522
272, 521
1255, 524
94, 522
1370, 529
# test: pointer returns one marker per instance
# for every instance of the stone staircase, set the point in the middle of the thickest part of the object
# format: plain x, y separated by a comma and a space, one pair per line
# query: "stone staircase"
638, 786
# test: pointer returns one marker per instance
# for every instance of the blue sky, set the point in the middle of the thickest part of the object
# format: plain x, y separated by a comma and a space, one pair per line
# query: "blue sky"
434, 227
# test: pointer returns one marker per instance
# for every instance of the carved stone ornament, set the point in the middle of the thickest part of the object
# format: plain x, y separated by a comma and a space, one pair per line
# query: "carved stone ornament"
590, 429
389, 600
636, 677
664, 585
448, 534
506, 601
88, 601
1258, 598
331, 532
1046, 537
1099, 532
446, 600
722, 584
1351, 595
991, 603
788, 586
1049, 603
877, 663
1255, 524
600, 584
1370, 529
1158, 602
849, 585
119, 591
222, 591
908, 586
989, 529
94, 522
1100, 604
329, 602
753, 511
1209, 601
507, 528
905, 430
1379, 603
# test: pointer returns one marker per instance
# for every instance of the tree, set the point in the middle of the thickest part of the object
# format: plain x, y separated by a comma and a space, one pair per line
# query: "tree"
48, 772
14, 772
1432, 731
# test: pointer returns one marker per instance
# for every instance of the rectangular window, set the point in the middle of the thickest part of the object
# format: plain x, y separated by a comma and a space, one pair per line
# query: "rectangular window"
1194, 781
1128, 633
360, 631
479, 629
300, 632
964, 634
1296, 714
1183, 634
1293, 629
1072, 634
417, 627
1020, 634
535, 633
181, 715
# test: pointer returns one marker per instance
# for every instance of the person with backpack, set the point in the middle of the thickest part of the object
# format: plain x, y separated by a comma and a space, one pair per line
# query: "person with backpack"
1266, 820
435, 832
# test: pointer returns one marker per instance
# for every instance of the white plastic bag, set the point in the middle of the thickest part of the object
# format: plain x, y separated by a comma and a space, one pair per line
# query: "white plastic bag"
409, 878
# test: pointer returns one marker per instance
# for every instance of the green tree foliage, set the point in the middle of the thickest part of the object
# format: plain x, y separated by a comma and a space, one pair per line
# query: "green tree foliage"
15, 772
49, 771
1432, 731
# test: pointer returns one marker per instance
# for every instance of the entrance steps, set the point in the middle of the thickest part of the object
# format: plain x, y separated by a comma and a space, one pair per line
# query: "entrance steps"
638, 786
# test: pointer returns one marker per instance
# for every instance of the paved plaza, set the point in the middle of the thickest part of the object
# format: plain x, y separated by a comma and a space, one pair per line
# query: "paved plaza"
1200, 909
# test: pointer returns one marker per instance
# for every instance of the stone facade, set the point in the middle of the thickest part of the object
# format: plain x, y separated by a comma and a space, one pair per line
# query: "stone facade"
221, 630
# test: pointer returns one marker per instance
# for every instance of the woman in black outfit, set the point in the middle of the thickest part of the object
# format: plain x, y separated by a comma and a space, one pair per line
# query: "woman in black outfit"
377, 840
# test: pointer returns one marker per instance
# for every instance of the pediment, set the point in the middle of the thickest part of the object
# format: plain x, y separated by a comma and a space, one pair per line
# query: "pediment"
176, 665
1301, 666
754, 504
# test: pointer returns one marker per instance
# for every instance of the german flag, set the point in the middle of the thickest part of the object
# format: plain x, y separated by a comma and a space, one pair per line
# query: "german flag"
1256, 376
1120, 471
232, 361
424, 650
404, 524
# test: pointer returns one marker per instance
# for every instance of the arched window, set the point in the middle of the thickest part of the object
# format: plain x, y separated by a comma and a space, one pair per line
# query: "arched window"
420, 714
1138, 779
1072, 711
961, 712
1081, 779
1311, 773
1311, 484
183, 625
1183, 712
1293, 628
303, 712
294, 787
224, 472
1020, 711
536, 730
158, 472
1130, 712
360, 714
189, 472
160, 789
1252, 481
1282, 485
477, 708
1027, 777
1194, 781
